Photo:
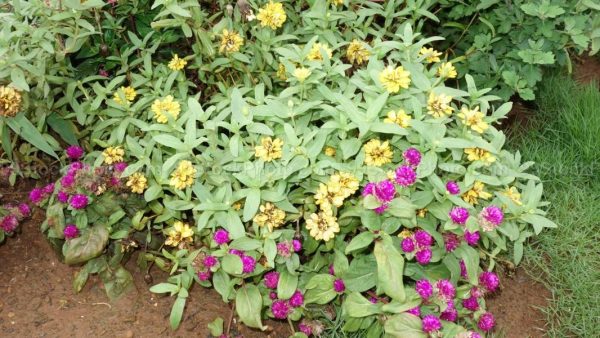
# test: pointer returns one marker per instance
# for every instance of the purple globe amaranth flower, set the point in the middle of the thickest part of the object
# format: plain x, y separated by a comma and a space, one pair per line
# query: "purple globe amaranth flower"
331, 270
210, 261
474, 334
445, 289
297, 245
452, 188
24, 210
339, 286
424, 288
273, 295
486, 322
385, 191
9, 223
405, 176
271, 279
459, 215
381, 209
120, 166
412, 156
423, 256
415, 311
74, 168
71, 231
423, 238
67, 181
369, 189
36, 195
476, 292
249, 264
62, 197
49, 189
431, 323
373, 300
297, 299
471, 303
236, 252
463, 269
221, 236
74, 152
280, 309
450, 314
451, 241
490, 218
204, 275
79, 201
489, 280
284, 249
472, 238
306, 329
408, 245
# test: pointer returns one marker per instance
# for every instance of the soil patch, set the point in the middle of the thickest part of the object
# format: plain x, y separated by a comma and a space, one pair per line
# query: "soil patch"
587, 69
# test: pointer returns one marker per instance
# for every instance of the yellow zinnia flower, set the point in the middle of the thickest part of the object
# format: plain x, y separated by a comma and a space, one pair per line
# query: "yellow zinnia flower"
137, 182
301, 74
477, 191
392, 79
357, 52
322, 226
176, 63
400, 117
127, 92
347, 183
378, 153
183, 176
164, 109
281, 75
329, 195
270, 216
180, 233
10, 101
230, 42
431, 55
473, 118
478, 154
439, 105
315, 52
422, 212
330, 151
514, 194
269, 150
272, 15
405, 233
337, 2
446, 70
113, 155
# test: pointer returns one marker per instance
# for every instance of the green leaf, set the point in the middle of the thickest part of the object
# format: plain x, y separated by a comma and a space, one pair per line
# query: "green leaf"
287, 285
22, 127
538, 222
362, 274
248, 305
252, 203
358, 306
232, 264
90, 244
116, 282
164, 288
390, 268
320, 289
18, 79
216, 327
177, 312
360, 241
404, 325
65, 128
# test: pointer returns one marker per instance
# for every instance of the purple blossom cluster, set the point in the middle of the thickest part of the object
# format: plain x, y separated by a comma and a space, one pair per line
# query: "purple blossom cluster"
281, 308
420, 243
490, 218
15, 214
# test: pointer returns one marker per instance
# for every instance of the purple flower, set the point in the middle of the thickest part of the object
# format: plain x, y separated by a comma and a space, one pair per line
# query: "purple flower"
408, 245
62, 197
307, 330
271, 279
474, 334
373, 300
71, 231
385, 191
273, 295
431, 323
79, 201
463, 269
415, 311
451, 241
74, 152
452, 188
412, 156
210, 261
490, 217
489, 280
297, 299
445, 289
120, 167
459, 215
280, 309
24, 210
476, 292
9, 223
249, 263
67, 181
221, 236
75, 167
204, 275
423, 238
405, 176
49, 189
423, 256
471, 303
450, 314
486, 322
381, 209
36, 195
297, 245
472, 238
283, 249
369, 189
339, 286
331, 270
424, 288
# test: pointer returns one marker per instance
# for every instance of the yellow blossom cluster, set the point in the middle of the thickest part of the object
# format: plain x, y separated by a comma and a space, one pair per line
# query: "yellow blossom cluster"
126, 92
357, 53
378, 153
113, 155
473, 195
399, 117
439, 105
137, 182
181, 233
270, 216
176, 63
446, 70
10, 101
271, 15
473, 118
431, 55
165, 108
230, 42
392, 79
478, 154
269, 149
183, 176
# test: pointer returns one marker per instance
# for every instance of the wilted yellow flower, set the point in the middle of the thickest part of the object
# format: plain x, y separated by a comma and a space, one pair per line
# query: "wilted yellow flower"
446, 70
392, 79
270, 216
237, 206
477, 191
322, 226
10, 101
337, 2
378, 153
137, 182
347, 183
405, 233
183, 176
315, 52
400, 118
478, 154
329, 195
281, 72
357, 52
514, 194
176, 63
113, 155
301, 74
230, 42
272, 15
127, 92
330, 151
269, 150
181, 232
166, 108
422, 212
473, 118
439, 105
431, 55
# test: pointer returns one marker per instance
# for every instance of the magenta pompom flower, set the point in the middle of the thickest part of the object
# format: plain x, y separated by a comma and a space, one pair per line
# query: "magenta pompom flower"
297, 299
79, 201
459, 215
221, 236
445, 289
339, 286
49, 189
451, 241
74, 168
405, 176
424, 288
369, 189
62, 197
463, 269
24, 210
385, 191
412, 156
423, 238
490, 218
67, 181
71, 231
423, 256
120, 166
471, 303
271, 279
9, 223
210, 261
331, 270
272, 295
408, 245
381, 209
452, 188
306, 329
486, 322
36, 195
249, 264
415, 311
74, 152
472, 238
450, 314
431, 323
489, 280
280, 309
297, 245
204, 275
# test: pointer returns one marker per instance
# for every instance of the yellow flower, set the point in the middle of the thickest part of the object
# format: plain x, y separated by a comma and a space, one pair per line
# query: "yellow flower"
113, 155
270, 216
514, 194
329, 195
315, 52
10, 101
269, 150
446, 70
477, 191
301, 74
272, 15
347, 183
337, 2
422, 212
128, 93
473, 118
137, 182
357, 52
230, 42
281, 72
166, 108
478, 154
322, 226
378, 153
237, 206
400, 117
181, 232
405, 233
183, 176
392, 79
431, 55
439, 105
176, 63
330, 151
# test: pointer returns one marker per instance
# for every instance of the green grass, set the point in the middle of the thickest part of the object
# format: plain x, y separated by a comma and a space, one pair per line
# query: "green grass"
563, 138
